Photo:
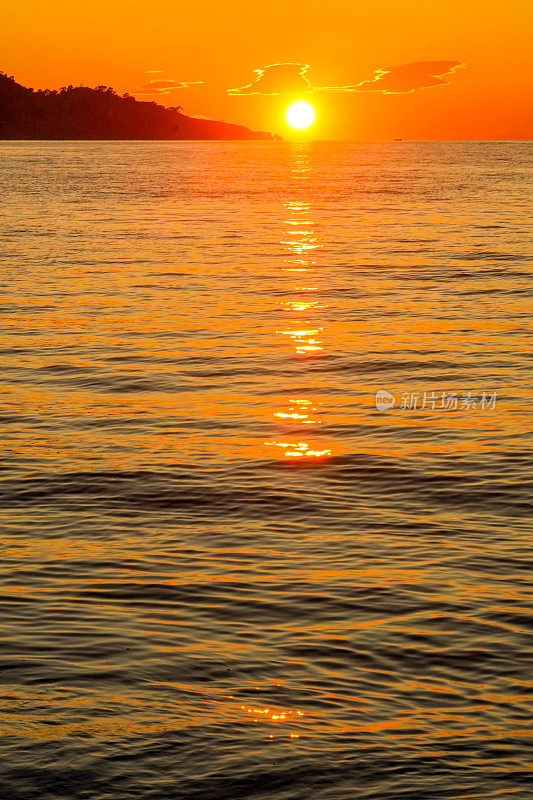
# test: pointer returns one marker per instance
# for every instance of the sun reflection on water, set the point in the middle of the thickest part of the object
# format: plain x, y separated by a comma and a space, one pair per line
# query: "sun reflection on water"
304, 339
300, 450
300, 411
276, 717
305, 332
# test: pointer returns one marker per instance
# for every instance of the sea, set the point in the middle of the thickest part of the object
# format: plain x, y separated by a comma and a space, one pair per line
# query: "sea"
265, 470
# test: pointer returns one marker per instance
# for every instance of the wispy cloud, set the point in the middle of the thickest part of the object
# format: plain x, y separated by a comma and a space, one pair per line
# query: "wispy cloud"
291, 78
286, 78
162, 86
409, 77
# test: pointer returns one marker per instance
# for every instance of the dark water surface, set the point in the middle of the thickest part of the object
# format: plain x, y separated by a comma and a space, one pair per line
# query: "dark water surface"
226, 573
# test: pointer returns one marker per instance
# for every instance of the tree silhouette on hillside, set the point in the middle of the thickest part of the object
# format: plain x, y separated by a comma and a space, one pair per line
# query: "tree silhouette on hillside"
78, 112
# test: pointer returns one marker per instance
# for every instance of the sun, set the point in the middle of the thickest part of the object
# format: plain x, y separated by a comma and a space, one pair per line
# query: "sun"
300, 115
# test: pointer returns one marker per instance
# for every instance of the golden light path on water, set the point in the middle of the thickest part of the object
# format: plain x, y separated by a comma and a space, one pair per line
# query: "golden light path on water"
303, 331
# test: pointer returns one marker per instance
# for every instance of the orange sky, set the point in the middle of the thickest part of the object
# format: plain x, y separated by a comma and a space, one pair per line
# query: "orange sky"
128, 43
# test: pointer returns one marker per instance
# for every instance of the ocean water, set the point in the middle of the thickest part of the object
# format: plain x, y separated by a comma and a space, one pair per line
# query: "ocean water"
228, 572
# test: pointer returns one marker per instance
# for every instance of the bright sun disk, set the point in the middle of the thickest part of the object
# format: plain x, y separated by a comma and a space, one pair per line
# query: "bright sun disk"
300, 115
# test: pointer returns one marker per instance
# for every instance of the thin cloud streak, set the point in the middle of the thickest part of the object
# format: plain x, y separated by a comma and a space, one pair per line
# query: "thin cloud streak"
287, 78
163, 86
291, 78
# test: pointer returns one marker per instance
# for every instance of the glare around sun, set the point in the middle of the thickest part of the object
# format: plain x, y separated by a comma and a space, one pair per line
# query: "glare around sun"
300, 115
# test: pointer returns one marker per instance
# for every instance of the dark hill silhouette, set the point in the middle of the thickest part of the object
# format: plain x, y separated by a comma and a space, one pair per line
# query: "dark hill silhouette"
77, 112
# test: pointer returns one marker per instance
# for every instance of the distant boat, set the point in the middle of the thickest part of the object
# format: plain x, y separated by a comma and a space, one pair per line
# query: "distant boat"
397, 140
